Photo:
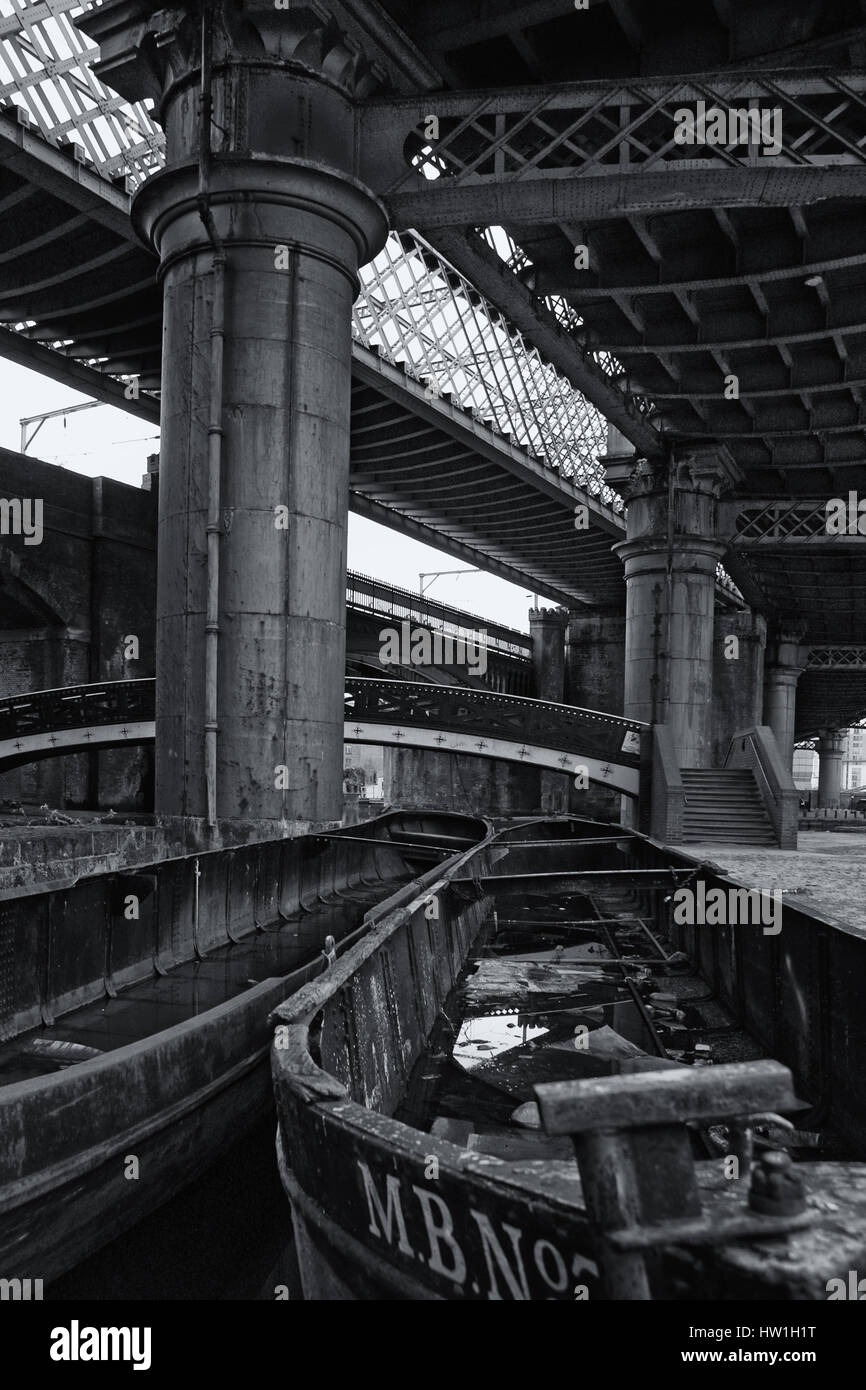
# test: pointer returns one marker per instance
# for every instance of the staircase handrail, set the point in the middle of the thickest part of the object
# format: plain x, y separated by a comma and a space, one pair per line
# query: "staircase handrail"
756, 748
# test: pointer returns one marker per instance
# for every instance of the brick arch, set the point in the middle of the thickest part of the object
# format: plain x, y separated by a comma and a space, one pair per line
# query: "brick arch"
21, 603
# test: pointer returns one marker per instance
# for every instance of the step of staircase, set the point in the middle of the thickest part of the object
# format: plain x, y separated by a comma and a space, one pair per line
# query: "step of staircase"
725, 806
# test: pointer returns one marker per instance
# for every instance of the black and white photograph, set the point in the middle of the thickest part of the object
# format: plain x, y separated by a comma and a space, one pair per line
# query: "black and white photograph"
432, 671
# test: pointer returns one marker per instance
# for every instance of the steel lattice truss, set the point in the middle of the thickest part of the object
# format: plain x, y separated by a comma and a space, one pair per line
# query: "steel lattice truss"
45, 71
837, 658
414, 308
522, 138
419, 312
778, 522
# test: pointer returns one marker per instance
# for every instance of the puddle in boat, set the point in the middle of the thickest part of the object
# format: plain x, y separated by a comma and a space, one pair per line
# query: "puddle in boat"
488, 1041
563, 987
549, 996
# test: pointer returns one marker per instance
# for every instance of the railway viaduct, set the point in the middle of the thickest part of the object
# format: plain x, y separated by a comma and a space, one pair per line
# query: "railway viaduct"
668, 214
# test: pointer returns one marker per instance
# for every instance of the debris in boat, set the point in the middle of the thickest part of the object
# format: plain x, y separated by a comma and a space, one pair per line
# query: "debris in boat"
455, 1131
56, 817
498, 1142
602, 1052
607, 1042
678, 961
561, 955
527, 1115
508, 981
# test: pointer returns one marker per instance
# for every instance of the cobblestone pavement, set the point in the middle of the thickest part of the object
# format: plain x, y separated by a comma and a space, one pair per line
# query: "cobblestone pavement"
825, 873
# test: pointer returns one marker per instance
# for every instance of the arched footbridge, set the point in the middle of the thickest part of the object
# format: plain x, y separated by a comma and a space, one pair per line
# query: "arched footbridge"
446, 719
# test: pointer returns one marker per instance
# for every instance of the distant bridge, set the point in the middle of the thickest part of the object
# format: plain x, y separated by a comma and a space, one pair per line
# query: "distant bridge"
447, 719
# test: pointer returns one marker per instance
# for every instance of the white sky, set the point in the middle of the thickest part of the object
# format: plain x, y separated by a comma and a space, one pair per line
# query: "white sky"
110, 443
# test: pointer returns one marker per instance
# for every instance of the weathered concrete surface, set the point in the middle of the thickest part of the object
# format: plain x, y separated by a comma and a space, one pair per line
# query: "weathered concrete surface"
290, 224
547, 628
784, 664
35, 857
825, 873
422, 779
415, 777
738, 678
670, 558
831, 753
595, 660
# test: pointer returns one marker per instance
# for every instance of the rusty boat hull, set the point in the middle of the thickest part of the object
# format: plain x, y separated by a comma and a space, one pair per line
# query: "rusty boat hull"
384, 1210
89, 1147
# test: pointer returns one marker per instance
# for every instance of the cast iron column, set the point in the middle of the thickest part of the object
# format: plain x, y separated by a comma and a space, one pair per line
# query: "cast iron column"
781, 674
275, 210
831, 755
670, 557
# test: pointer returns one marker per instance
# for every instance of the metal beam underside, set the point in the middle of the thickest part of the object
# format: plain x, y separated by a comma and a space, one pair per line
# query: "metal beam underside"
829, 699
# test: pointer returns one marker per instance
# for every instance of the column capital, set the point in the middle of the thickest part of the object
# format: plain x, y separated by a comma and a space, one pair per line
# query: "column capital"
705, 467
555, 617
787, 657
832, 742
146, 48
702, 468
789, 629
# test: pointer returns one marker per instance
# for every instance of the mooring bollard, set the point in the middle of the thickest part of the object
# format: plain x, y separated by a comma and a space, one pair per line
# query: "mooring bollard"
636, 1165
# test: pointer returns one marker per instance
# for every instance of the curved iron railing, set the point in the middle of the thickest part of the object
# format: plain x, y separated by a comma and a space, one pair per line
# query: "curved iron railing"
512, 717
457, 709
77, 707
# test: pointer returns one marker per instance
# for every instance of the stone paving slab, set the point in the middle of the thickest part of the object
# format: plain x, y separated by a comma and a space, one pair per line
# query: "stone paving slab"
826, 873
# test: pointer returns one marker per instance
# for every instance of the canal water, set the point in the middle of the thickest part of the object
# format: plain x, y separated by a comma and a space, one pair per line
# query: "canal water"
226, 1237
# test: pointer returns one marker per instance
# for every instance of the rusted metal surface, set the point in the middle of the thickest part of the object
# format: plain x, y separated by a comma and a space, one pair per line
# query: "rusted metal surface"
777, 1189
642, 1210
195, 1075
798, 994
667, 1098
639, 1176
